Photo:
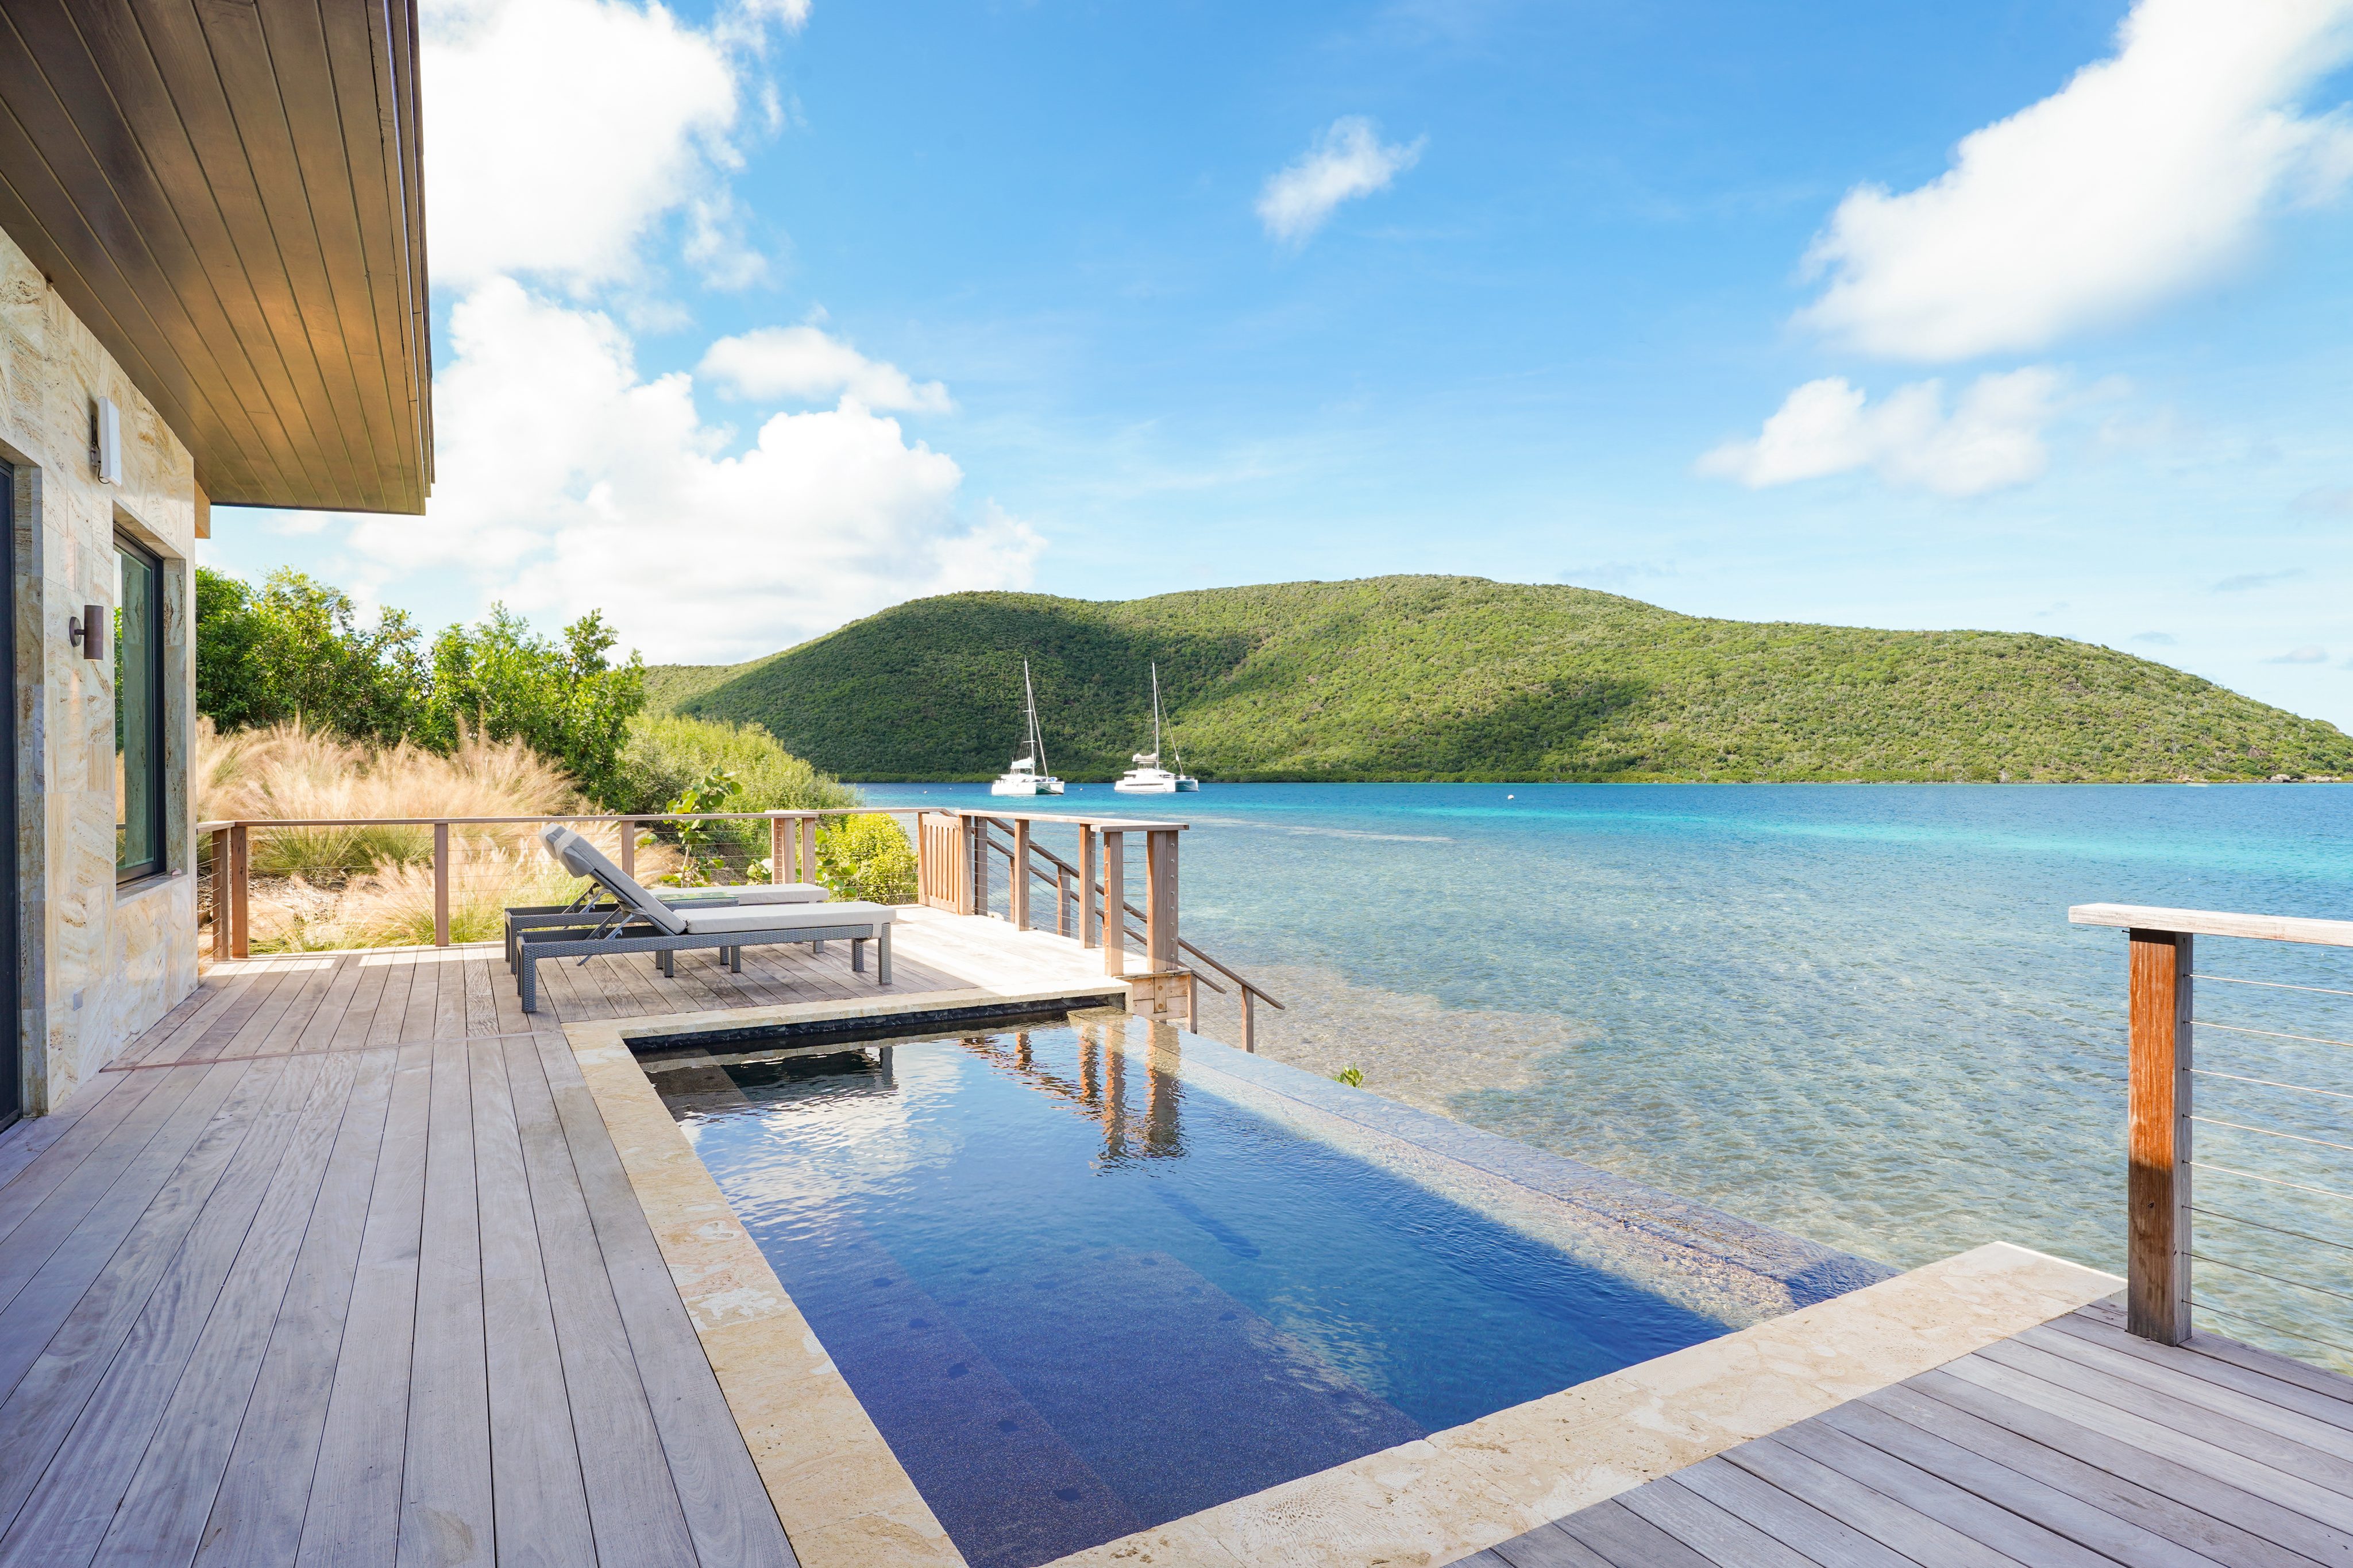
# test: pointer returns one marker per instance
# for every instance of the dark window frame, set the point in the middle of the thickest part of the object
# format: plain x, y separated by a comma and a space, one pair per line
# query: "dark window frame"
12, 1064
159, 862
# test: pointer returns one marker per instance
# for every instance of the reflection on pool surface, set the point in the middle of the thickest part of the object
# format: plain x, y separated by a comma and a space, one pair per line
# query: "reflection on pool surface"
1085, 1285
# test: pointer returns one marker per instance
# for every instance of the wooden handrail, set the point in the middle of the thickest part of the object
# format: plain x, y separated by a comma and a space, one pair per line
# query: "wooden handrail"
2159, 990
2211, 922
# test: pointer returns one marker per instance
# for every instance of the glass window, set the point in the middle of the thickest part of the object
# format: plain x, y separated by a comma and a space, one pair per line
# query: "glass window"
138, 712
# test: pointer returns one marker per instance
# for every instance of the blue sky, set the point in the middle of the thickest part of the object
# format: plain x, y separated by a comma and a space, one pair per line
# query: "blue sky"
754, 318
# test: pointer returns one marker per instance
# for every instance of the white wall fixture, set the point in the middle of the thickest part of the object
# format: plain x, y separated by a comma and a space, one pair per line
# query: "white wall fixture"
106, 450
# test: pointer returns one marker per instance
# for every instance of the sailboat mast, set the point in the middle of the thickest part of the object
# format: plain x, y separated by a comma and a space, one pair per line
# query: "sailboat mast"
1036, 735
1155, 710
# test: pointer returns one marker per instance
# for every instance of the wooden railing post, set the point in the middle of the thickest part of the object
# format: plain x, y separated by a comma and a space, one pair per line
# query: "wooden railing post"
1160, 901
240, 872
1250, 1022
1020, 899
808, 849
976, 852
1086, 886
2157, 1296
629, 848
780, 848
1062, 901
441, 884
1114, 900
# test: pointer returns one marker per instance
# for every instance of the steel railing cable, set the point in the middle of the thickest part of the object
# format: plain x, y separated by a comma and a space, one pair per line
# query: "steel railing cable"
2273, 985
2272, 1033
2276, 1229
2270, 1083
2271, 1133
2272, 1181
2238, 1317
2274, 1279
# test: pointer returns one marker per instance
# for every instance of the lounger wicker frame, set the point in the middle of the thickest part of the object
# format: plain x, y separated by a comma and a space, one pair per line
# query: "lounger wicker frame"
642, 936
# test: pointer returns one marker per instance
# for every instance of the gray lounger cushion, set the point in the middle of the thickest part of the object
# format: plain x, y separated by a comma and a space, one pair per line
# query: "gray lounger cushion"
784, 917
749, 893
583, 858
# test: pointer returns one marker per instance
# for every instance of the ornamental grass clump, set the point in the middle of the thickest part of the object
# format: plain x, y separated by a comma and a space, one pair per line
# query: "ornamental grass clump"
322, 888
290, 771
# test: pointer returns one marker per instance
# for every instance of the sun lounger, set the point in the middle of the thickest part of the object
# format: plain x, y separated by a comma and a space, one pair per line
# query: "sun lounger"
587, 911
638, 922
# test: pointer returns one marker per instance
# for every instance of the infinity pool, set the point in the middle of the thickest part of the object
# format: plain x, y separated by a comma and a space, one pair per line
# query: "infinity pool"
1092, 1275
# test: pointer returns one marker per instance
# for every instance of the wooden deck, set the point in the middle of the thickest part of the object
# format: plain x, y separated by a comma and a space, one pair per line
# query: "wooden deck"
338, 1266
2074, 1445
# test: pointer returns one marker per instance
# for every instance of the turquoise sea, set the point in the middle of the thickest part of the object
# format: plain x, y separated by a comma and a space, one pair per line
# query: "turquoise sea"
1853, 1012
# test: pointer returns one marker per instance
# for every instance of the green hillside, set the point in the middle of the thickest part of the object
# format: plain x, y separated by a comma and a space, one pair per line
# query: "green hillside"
1457, 678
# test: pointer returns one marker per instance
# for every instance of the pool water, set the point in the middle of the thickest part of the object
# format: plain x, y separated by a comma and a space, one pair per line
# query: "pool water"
1094, 1276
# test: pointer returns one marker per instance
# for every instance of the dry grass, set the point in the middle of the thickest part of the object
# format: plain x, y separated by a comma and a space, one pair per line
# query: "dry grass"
286, 770
373, 887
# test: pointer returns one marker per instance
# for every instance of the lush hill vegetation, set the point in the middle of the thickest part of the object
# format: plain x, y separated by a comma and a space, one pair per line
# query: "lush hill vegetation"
1457, 678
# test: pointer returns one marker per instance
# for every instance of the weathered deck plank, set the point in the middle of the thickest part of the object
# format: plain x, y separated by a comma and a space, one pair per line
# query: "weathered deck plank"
539, 1502
256, 1517
351, 1505
2071, 1445
445, 1490
338, 1266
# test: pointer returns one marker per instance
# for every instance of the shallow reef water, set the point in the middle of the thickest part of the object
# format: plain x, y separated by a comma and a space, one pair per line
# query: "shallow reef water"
1854, 1012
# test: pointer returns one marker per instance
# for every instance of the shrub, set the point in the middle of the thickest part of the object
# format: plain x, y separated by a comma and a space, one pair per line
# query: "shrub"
867, 856
720, 767
666, 756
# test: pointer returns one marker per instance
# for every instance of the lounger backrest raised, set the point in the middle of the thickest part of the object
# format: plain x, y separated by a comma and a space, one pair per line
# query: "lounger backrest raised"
583, 858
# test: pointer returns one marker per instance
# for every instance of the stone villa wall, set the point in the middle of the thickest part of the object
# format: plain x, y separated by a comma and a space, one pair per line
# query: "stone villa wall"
100, 962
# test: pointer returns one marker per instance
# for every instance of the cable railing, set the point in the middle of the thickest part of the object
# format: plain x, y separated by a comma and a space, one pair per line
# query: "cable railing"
2241, 1123
959, 848
313, 884
298, 884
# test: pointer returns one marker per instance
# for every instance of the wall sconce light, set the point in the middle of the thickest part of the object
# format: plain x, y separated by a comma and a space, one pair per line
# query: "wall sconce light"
88, 630
106, 442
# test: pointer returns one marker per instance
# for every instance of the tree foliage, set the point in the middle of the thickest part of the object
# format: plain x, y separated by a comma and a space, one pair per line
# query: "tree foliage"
295, 649
565, 699
1458, 678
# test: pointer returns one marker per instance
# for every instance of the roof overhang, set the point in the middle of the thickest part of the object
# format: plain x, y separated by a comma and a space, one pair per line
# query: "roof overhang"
228, 193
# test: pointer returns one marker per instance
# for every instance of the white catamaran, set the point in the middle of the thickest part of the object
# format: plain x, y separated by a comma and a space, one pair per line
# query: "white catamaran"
1148, 777
1027, 775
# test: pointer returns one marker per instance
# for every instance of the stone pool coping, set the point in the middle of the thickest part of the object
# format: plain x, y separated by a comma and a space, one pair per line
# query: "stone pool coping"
1460, 1491
846, 1501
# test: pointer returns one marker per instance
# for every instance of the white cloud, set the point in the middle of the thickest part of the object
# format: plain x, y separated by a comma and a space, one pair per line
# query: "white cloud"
2308, 654
561, 132
2146, 173
1991, 438
803, 364
1346, 160
567, 483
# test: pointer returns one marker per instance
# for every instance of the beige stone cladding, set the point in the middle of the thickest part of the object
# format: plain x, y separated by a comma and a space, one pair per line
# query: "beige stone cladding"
100, 962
